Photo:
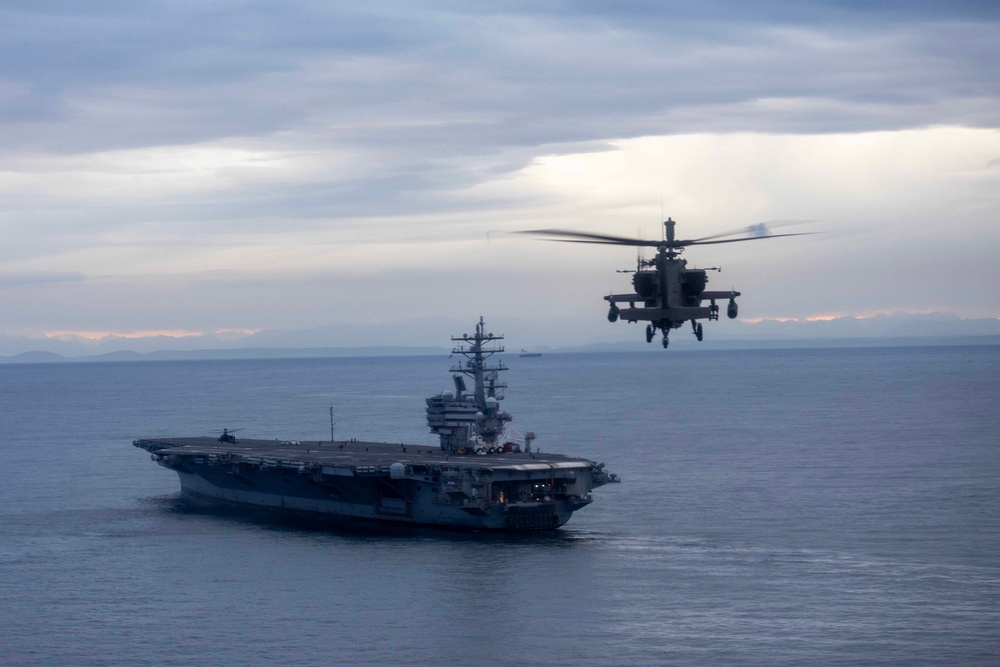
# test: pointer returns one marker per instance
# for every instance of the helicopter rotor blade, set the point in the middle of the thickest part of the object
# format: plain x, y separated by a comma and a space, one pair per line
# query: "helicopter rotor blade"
649, 244
584, 237
749, 238
761, 229
758, 230
680, 244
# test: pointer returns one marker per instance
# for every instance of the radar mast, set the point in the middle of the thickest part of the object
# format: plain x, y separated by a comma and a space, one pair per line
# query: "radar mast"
472, 422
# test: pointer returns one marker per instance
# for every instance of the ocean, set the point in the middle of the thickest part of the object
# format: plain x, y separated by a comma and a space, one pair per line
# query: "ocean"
777, 507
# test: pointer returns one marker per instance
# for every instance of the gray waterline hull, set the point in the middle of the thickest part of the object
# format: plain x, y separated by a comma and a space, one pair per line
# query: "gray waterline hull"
367, 482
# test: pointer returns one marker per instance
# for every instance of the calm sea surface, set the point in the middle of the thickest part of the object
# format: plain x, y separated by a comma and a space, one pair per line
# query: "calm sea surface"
836, 507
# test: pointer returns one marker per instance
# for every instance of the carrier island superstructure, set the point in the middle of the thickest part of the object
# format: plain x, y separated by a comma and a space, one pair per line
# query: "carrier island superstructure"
484, 475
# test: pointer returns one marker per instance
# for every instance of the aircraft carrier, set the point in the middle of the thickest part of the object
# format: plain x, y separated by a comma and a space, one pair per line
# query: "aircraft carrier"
483, 476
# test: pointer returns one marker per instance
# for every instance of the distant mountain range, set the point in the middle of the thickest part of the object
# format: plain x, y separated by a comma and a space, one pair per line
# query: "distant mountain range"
879, 330
906, 325
235, 353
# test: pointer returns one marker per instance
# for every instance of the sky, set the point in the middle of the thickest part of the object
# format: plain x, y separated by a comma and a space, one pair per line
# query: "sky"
211, 170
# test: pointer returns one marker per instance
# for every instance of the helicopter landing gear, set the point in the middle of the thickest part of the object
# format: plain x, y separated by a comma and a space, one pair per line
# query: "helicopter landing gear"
666, 341
696, 327
650, 332
613, 313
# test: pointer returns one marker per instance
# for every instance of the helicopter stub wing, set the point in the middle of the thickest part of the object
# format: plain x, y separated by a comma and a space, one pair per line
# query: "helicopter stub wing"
680, 314
623, 298
630, 298
731, 294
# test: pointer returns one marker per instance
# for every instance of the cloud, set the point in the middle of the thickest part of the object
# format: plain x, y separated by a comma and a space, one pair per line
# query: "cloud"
187, 154
450, 80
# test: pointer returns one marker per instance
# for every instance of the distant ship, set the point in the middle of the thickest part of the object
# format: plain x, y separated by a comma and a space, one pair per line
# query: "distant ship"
484, 475
525, 353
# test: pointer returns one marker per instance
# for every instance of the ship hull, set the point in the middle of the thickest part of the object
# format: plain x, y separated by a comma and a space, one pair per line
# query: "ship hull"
297, 497
381, 483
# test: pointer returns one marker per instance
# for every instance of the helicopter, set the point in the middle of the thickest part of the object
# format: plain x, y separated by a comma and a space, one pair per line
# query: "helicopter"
228, 437
670, 293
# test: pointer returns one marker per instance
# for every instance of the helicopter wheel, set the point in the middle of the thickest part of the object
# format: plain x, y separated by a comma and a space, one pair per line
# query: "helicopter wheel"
649, 333
698, 332
666, 341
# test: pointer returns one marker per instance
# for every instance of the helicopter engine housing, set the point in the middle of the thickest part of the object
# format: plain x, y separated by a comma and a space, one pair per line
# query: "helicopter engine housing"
694, 282
644, 283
